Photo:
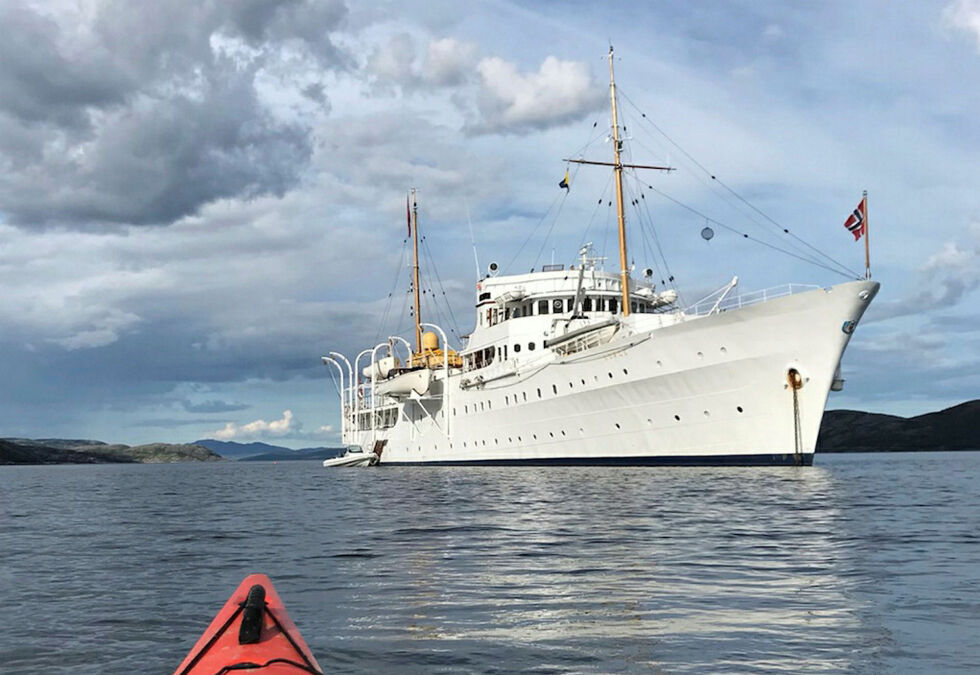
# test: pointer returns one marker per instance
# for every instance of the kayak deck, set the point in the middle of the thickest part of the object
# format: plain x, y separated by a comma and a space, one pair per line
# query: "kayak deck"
251, 634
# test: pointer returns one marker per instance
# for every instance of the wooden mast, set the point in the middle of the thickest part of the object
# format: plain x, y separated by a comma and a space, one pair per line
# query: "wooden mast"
617, 164
415, 281
624, 273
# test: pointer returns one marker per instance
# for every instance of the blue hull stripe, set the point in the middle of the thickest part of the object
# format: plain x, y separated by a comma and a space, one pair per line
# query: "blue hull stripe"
784, 459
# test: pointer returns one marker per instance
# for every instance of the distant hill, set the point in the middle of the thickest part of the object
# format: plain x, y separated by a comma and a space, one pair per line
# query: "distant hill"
66, 451
956, 428
263, 452
233, 450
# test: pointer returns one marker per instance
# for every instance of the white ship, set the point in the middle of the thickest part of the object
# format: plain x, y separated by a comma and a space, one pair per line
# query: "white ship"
583, 366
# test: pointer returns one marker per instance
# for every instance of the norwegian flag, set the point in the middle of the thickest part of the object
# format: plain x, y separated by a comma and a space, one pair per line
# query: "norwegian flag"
856, 222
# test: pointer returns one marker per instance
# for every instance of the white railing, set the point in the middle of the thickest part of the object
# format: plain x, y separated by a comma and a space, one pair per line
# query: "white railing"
710, 304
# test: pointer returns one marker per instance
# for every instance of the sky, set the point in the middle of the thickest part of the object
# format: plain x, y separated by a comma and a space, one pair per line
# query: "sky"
199, 198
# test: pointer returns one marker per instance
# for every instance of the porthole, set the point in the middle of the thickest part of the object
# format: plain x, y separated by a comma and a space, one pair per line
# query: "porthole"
649, 421
581, 431
525, 396
534, 436
530, 346
677, 417
625, 372
539, 393
554, 388
738, 408
707, 414
700, 355
571, 386
724, 350
617, 425
551, 433
562, 432
610, 376
496, 442
517, 348
660, 364
583, 382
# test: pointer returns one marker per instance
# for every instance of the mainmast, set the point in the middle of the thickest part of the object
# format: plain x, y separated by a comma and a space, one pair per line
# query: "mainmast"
624, 273
617, 165
415, 270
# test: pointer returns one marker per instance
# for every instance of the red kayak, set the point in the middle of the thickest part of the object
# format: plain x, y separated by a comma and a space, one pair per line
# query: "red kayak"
251, 634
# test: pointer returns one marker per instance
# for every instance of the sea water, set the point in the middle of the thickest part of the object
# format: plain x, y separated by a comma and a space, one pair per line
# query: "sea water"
863, 563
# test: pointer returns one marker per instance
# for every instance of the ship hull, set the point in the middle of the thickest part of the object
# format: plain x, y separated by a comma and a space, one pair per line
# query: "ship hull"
708, 390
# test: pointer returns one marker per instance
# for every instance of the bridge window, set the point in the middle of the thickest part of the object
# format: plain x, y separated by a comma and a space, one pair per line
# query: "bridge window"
570, 304
587, 304
530, 346
613, 305
542, 306
517, 348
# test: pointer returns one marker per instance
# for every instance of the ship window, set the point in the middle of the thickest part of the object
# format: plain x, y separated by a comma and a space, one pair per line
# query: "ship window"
525, 396
617, 426
482, 406
570, 304
466, 409
551, 433
506, 400
554, 388
632, 306
517, 348
613, 305
517, 312
739, 408
556, 305
677, 417
530, 346
542, 306
600, 304
506, 313
485, 296
625, 372
587, 304
610, 376
493, 321
539, 393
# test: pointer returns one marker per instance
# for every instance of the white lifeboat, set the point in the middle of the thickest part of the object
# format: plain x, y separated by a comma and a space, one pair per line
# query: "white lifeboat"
403, 384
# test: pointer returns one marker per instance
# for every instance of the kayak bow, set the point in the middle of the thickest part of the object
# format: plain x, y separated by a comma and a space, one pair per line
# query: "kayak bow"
252, 633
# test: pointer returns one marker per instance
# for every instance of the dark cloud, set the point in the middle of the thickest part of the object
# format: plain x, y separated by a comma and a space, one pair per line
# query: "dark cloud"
213, 406
145, 112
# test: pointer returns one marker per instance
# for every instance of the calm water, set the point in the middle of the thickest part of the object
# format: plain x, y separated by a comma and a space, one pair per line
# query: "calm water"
864, 563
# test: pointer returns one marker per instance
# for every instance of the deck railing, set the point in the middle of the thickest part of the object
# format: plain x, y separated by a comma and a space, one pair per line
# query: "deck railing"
707, 306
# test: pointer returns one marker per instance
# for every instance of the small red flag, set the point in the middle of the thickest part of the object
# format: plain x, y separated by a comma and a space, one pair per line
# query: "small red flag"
855, 222
408, 216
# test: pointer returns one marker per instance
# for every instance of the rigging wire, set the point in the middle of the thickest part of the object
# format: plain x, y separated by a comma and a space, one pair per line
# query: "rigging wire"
744, 235
432, 263
739, 197
394, 286
559, 198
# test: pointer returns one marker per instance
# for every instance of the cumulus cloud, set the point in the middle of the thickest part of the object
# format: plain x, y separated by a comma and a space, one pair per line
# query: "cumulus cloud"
258, 428
511, 101
286, 426
964, 15
445, 62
